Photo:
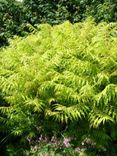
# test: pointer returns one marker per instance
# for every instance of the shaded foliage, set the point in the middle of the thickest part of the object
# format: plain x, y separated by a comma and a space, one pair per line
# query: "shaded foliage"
57, 11
12, 21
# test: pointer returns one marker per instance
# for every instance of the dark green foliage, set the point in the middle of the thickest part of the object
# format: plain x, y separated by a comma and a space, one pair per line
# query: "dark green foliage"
12, 21
57, 11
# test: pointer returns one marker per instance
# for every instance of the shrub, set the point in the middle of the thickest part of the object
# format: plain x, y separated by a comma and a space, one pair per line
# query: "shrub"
63, 79
12, 21
57, 11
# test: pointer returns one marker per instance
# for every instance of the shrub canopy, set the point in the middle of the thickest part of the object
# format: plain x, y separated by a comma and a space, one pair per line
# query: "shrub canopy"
62, 73
57, 11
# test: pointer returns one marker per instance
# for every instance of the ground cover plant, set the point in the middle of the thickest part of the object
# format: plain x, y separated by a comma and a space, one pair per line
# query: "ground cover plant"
62, 81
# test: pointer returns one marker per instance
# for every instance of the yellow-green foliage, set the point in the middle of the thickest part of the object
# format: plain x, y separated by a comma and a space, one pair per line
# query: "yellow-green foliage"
65, 72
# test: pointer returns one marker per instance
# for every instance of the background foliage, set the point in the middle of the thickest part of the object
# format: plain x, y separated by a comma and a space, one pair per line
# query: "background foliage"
62, 81
12, 20
57, 11
15, 16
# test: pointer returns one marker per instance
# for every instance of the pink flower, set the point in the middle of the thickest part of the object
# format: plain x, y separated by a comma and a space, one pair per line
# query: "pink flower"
66, 142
